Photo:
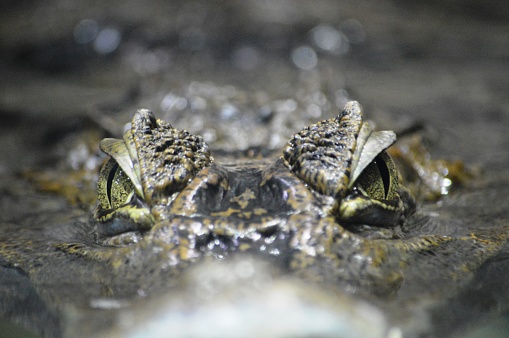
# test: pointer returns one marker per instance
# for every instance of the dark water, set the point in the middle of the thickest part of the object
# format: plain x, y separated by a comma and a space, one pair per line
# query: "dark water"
264, 69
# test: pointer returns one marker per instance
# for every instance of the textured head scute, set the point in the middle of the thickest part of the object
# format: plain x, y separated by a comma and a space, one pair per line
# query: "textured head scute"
321, 154
168, 157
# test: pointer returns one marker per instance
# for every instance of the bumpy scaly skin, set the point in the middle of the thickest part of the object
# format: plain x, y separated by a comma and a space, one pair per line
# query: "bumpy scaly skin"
321, 154
286, 208
168, 157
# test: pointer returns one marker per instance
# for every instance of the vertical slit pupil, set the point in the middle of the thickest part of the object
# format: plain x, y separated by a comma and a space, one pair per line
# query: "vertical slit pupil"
384, 173
109, 183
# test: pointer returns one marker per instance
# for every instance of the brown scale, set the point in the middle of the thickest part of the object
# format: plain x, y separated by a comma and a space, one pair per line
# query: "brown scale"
168, 157
321, 154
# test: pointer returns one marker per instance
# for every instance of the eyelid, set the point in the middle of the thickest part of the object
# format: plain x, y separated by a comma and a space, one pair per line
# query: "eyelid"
119, 151
370, 145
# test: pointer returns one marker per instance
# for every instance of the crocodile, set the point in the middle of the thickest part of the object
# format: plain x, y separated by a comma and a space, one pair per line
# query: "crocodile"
163, 184
329, 208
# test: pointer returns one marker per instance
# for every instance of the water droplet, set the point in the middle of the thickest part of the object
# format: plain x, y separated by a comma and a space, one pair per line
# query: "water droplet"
107, 41
86, 31
446, 185
228, 111
304, 57
326, 37
172, 101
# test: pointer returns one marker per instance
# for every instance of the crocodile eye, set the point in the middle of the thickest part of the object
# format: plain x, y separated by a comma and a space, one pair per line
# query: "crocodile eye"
119, 187
120, 214
374, 197
114, 186
148, 167
345, 159
379, 178
121, 208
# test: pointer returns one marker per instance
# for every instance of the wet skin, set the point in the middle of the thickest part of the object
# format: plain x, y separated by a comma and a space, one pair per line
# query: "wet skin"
328, 208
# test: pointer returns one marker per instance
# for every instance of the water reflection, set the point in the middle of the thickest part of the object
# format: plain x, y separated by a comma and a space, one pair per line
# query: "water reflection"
329, 39
107, 41
104, 40
212, 35
304, 57
86, 31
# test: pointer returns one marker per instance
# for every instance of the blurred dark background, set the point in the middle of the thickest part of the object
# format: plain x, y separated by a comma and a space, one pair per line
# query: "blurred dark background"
263, 68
